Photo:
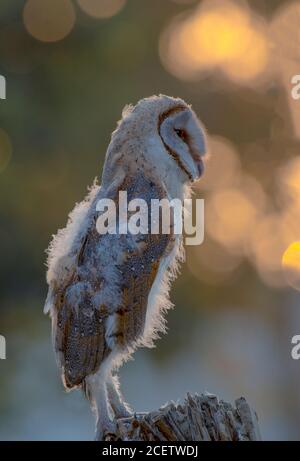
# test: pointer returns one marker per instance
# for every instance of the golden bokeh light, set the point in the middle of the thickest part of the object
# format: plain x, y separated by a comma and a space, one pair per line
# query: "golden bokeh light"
219, 35
5, 150
101, 8
216, 34
49, 20
291, 265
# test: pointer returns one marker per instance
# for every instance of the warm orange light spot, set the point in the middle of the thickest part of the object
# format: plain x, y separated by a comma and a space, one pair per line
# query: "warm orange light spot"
216, 35
291, 265
49, 20
101, 8
220, 35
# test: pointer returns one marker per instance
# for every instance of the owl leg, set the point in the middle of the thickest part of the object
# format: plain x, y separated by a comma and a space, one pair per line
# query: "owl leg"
97, 395
120, 408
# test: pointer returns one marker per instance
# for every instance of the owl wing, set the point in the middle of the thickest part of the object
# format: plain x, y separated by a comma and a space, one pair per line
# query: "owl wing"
78, 327
103, 305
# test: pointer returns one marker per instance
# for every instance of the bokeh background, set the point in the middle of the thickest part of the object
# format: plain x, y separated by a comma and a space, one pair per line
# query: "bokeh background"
71, 66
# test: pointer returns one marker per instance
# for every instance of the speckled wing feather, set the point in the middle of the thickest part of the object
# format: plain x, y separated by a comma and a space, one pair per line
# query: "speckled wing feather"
103, 304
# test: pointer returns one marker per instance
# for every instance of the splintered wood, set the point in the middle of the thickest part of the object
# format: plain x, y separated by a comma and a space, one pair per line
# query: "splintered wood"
201, 417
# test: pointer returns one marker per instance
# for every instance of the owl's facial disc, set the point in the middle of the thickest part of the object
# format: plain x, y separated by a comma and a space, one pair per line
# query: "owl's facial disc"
184, 139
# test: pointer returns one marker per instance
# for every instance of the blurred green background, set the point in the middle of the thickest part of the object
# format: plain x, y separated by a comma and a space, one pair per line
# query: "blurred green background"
70, 67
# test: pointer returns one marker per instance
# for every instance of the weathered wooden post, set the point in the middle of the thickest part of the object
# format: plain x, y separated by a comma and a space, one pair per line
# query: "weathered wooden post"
200, 418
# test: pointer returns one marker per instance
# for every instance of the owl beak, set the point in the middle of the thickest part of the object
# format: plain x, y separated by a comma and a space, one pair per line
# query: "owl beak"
200, 166
197, 156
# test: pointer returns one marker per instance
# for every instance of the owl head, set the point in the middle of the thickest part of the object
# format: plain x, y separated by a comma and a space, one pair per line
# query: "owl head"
161, 135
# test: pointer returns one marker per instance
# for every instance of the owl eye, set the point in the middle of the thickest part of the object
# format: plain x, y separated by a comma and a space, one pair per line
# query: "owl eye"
182, 135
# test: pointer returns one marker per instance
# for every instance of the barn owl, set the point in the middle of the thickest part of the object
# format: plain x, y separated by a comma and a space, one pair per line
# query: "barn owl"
108, 293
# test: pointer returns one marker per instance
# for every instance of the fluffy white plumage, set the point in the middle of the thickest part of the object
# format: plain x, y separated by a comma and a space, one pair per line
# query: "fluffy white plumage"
108, 293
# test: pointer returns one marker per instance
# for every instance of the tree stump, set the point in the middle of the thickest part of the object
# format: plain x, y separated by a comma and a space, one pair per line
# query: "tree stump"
200, 418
